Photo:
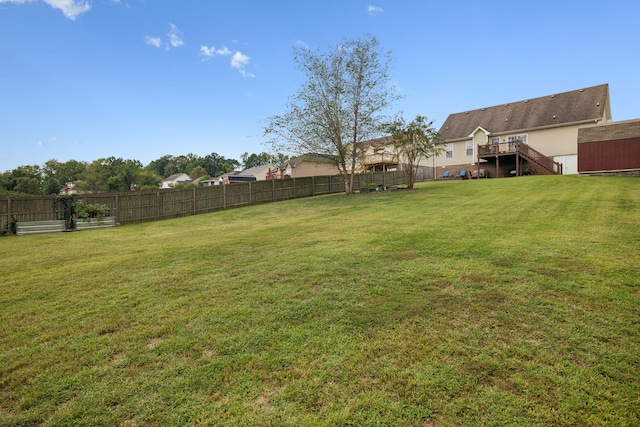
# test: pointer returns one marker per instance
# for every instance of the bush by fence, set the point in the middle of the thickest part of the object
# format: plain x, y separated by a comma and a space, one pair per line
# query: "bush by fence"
140, 206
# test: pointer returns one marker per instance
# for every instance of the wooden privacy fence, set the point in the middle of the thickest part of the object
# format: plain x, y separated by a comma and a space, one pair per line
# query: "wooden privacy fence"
139, 206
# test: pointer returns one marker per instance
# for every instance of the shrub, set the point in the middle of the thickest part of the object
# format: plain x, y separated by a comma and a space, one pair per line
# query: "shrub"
90, 210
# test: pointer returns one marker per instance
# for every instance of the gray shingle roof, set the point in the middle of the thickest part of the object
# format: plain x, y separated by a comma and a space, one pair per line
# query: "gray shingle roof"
547, 111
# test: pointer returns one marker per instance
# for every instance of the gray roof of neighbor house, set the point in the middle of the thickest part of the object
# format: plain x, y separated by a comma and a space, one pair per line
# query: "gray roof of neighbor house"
548, 111
255, 169
174, 177
310, 157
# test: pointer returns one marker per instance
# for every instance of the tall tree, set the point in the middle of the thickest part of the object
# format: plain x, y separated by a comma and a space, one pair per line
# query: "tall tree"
26, 179
340, 105
216, 165
414, 142
64, 172
253, 160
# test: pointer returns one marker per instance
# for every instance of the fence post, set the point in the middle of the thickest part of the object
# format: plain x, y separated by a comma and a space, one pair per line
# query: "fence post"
117, 215
224, 196
158, 205
249, 193
194, 201
9, 212
313, 186
273, 190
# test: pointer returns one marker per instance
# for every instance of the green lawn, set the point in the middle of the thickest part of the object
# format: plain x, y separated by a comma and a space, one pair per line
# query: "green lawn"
489, 302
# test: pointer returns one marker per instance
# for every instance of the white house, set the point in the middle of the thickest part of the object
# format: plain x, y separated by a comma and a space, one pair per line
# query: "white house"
175, 179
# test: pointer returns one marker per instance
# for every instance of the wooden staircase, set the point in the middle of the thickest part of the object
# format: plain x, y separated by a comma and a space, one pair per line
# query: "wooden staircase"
539, 159
513, 154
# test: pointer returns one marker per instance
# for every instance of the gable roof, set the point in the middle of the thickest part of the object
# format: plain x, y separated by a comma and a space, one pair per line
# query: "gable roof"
256, 169
175, 176
589, 104
309, 157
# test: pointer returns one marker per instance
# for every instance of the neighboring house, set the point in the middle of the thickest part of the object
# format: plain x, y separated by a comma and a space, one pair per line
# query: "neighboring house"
535, 136
70, 188
260, 173
610, 148
307, 165
175, 179
380, 156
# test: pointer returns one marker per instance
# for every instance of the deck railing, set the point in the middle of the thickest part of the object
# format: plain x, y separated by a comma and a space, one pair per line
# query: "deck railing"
523, 149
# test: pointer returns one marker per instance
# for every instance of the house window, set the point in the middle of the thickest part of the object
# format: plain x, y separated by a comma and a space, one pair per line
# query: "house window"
495, 141
449, 150
469, 148
513, 140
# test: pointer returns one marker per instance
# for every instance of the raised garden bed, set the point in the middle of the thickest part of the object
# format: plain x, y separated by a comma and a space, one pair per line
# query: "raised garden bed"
37, 227
89, 223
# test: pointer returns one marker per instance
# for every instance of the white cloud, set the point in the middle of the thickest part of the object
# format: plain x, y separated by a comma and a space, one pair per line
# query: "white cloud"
70, 8
211, 52
154, 41
174, 39
175, 36
40, 143
302, 44
374, 10
239, 61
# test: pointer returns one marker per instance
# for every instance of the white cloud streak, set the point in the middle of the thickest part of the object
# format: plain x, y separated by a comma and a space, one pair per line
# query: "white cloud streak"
208, 52
175, 36
239, 60
70, 8
154, 41
374, 10
174, 39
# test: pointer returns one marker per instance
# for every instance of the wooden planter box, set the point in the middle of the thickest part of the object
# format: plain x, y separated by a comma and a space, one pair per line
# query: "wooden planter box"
36, 227
89, 223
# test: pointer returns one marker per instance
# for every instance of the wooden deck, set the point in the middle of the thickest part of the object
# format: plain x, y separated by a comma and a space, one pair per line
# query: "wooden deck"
515, 159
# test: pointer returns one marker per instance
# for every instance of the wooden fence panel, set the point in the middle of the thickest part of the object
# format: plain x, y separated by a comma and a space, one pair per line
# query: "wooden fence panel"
284, 189
261, 192
36, 209
237, 195
322, 184
138, 206
209, 199
175, 203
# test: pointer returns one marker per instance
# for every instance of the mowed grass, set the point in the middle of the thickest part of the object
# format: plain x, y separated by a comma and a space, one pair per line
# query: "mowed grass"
490, 302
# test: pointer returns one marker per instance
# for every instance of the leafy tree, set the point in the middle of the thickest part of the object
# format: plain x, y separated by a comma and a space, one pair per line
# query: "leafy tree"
28, 185
63, 171
5, 181
26, 179
253, 160
148, 180
159, 166
216, 165
415, 142
51, 186
340, 105
110, 174
198, 172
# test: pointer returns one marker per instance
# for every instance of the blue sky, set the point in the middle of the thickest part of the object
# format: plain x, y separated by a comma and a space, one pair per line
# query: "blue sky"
138, 79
